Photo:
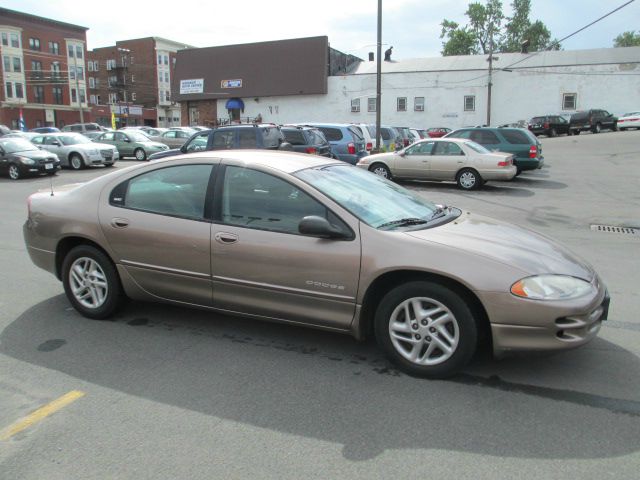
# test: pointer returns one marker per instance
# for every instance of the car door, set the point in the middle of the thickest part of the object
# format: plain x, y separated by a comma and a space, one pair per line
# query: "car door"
155, 225
223, 139
446, 159
414, 161
54, 145
262, 266
108, 138
168, 137
124, 144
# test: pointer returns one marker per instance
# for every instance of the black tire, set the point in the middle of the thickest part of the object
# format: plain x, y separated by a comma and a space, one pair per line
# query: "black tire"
469, 179
114, 296
76, 162
553, 133
623, 129
597, 128
140, 154
381, 170
14, 172
615, 127
51, 174
576, 132
108, 165
429, 293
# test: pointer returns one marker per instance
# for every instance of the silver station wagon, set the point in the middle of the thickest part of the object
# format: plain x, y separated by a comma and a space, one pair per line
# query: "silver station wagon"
310, 241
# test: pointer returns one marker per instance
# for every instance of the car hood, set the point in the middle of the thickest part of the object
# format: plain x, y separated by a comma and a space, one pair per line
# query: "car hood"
509, 244
101, 145
382, 156
34, 154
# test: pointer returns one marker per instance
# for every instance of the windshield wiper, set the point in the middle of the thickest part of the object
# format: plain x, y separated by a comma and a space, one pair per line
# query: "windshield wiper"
403, 222
440, 211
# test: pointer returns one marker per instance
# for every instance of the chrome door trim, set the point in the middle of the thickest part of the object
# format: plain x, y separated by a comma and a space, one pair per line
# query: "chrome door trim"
165, 269
283, 289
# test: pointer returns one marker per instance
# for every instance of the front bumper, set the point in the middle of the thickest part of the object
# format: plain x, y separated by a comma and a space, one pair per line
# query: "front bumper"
529, 325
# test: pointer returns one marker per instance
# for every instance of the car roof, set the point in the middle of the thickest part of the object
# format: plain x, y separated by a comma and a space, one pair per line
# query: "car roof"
286, 162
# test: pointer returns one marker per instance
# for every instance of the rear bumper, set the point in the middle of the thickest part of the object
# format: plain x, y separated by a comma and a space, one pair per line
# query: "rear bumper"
528, 163
504, 174
42, 258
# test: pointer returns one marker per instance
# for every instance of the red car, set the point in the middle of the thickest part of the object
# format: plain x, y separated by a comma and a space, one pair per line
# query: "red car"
437, 132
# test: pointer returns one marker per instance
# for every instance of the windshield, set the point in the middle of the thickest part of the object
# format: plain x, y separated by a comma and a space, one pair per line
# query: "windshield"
373, 199
74, 139
477, 147
13, 145
138, 137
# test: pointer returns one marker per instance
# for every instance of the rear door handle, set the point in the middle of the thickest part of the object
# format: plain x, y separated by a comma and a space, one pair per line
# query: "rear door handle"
225, 238
119, 222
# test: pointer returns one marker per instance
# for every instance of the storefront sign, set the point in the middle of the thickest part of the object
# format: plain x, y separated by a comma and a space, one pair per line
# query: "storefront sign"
235, 83
194, 85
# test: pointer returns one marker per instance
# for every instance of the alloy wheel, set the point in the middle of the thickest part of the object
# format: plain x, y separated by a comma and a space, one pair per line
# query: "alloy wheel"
14, 172
88, 282
467, 180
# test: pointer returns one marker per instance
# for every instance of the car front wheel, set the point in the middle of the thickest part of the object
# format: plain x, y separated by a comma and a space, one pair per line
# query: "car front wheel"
426, 329
140, 154
91, 282
14, 172
75, 161
381, 170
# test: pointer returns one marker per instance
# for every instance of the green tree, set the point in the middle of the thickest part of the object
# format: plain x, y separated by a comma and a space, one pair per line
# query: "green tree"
627, 39
487, 24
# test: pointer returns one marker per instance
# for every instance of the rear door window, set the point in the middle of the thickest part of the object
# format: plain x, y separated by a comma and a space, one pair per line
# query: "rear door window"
316, 137
198, 143
422, 148
294, 137
447, 148
462, 134
515, 137
331, 134
246, 138
484, 137
223, 139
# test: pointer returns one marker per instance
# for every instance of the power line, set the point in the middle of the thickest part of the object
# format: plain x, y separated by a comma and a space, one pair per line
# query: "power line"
549, 46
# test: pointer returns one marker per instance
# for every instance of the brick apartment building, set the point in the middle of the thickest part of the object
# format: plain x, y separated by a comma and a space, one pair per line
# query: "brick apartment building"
132, 79
43, 71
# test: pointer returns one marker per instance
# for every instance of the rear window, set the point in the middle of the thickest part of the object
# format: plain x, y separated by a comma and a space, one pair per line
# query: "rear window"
294, 137
515, 137
372, 131
356, 132
271, 137
331, 134
538, 120
579, 116
385, 133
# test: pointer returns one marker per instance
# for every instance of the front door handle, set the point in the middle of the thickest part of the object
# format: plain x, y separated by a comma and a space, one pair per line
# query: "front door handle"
225, 238
119, 222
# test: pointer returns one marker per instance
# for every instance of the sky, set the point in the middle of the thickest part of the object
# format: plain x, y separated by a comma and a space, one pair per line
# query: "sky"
412, 27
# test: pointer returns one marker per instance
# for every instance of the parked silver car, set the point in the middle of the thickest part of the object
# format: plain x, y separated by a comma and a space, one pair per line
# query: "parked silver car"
77, 151
306, 240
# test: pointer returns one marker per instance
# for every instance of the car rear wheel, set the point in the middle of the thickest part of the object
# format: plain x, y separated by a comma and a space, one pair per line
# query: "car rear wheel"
140, 154
14, 172
597, 128
615, 127
469, 179
553, 133
75, 161
381, 170
91, 282
426, 329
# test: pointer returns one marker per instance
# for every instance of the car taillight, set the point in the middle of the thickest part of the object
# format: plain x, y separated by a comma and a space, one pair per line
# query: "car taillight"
369, 146
505, 163
546, 125
351, 148
311, 150
533, 151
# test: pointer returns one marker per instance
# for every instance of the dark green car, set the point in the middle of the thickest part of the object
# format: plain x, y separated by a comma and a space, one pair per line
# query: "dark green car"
517, 141
131, 144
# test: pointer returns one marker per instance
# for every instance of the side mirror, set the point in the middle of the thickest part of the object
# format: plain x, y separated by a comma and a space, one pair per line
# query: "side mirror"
183, 148
316, 226
402, 153
127, 140
285, 146
56, 143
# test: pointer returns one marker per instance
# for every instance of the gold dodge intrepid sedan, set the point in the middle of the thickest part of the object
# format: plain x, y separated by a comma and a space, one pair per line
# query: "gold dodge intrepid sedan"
310, 241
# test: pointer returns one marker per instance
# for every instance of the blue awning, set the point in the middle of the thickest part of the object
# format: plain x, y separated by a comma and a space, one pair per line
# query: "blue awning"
234, 103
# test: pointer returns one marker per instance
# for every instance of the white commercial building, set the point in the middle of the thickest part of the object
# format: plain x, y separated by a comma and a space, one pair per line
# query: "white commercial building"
452, 91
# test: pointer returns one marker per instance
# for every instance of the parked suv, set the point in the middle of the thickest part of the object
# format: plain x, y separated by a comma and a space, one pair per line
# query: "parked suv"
307, 140
521, 143
260, 136
594, 120
347, 143
549, 125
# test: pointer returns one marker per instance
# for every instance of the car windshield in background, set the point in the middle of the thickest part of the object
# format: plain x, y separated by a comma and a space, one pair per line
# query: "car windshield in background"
373, 199
74, 139
13, 145
138, 137
477, 147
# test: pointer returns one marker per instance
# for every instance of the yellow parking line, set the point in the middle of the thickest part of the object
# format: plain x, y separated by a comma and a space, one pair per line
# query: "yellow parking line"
41, 413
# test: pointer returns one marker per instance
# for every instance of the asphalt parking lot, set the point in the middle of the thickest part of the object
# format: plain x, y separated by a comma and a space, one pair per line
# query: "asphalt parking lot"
173, 393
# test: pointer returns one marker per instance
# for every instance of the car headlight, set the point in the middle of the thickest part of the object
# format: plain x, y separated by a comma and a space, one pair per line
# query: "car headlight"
27, 161
551, 287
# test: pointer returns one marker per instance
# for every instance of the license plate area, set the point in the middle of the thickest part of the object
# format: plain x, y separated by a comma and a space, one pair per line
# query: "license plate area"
48, 166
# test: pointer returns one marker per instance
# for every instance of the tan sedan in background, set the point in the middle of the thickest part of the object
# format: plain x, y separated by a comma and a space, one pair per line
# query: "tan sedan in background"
465, 162
305, 240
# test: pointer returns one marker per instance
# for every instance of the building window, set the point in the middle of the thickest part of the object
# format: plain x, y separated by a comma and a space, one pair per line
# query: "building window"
166, 77
8, 89
70, 49
89, 66
15, 40
469, 103
57, 95
402, 104
93, 99
83, 96
160, 77
569, 101
5, 39
133, 96
79, 51
168, 95
19, 91
113, 79
113, 98
131, 59
72, 73
133, 79
418, 104
166, 59
371, 104
110, 64
92, 82
38, 94
34, 44
355, 105
7, 63
95, 66
80, 72
54, 47
159, 59
97, 99
17, 64
36, 69
55, 71
74, 95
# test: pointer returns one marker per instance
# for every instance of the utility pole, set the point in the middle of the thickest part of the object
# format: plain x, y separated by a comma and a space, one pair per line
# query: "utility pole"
379, 78
489, 85
123, 58
75, 69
